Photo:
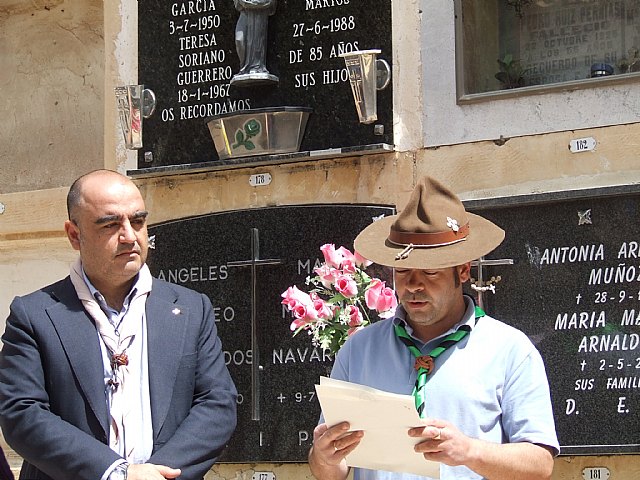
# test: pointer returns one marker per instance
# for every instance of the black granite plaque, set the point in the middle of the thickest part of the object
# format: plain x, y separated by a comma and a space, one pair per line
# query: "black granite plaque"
187, 56
574, 288
195, 252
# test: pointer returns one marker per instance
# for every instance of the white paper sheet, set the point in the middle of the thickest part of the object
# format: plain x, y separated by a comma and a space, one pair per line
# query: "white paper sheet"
385, 419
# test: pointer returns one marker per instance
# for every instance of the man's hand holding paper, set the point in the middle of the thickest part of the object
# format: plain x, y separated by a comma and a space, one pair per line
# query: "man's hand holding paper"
441, 441
336, 442
377, 425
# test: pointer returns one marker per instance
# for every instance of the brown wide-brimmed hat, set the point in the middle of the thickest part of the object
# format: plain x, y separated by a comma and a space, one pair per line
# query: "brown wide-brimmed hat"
433, 231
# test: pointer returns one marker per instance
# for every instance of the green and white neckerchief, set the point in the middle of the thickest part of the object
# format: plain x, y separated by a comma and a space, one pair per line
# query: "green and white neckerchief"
425, 363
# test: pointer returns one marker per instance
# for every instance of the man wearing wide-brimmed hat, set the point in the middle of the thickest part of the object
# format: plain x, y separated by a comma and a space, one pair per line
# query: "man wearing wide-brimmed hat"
479, 384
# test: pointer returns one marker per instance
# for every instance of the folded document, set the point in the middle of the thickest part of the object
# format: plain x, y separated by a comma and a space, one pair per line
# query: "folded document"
385, 419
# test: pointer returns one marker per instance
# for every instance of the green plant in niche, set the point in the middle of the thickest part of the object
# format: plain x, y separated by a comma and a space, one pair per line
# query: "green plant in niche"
251, 129
518, 5
511, 74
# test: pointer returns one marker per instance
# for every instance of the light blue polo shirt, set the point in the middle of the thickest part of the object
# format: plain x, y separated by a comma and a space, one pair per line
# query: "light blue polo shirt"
492, 384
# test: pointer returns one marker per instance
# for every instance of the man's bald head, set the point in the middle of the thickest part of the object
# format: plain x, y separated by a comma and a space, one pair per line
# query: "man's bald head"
75, 195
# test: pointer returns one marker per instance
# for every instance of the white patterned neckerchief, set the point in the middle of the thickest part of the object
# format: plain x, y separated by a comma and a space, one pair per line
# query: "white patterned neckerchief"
128, 436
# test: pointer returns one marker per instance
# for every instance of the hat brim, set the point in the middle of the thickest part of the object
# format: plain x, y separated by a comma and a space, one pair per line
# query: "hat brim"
373, 244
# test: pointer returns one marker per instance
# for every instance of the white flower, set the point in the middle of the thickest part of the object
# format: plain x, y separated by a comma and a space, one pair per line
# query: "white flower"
452, 223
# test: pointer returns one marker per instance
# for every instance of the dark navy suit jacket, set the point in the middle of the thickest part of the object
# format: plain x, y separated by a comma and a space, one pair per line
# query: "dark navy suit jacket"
53, 410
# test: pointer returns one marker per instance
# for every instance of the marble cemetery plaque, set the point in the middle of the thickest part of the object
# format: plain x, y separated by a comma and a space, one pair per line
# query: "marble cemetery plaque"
244, 260
561, 43
574, 289
188, 57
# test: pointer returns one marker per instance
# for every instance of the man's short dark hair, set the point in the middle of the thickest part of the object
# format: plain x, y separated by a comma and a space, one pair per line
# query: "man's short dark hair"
73, 197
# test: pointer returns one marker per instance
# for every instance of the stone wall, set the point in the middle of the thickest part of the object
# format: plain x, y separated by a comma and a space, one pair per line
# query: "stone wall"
52, 81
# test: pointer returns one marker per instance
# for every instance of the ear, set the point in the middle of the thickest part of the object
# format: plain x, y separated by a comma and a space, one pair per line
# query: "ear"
73, 234
464, 271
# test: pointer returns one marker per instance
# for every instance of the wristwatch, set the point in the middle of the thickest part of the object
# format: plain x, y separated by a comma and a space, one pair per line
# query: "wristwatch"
120, 472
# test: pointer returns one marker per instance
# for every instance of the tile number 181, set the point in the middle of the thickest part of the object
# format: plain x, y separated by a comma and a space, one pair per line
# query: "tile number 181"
596, 473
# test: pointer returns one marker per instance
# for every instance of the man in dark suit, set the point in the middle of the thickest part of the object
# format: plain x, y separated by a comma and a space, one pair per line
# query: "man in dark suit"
111, 374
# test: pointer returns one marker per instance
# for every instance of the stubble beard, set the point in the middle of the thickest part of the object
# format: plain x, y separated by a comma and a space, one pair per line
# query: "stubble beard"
423, 316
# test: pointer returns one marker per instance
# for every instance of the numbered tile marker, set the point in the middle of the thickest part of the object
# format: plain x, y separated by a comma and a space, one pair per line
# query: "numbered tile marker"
582, 145
260, 179
592, 473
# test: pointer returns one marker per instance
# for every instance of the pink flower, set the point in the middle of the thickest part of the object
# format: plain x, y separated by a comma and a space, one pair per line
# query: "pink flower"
361, 261
355, 316
322, 308
327, 275
297, 323
305, 312
340, 258
332, 257
348, 260
301, 305
346, 254
381, 298
346, 285
372, 294
293, 297
348, 266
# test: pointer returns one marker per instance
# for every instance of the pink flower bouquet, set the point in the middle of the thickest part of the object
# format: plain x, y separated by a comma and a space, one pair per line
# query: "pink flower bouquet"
334, 308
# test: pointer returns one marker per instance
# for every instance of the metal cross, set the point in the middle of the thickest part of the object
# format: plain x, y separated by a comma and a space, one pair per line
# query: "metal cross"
480, 284
255, 362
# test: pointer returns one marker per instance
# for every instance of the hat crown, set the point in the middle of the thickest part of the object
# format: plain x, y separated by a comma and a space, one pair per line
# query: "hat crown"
432, 208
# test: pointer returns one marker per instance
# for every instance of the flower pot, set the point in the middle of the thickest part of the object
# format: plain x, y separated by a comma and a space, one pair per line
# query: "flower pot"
259, 131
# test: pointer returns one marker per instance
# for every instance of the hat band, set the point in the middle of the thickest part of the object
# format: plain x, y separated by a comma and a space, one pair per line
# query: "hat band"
428, 239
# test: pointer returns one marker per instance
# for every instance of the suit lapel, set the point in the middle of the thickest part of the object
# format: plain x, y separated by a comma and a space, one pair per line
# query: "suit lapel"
165, 336
79, 339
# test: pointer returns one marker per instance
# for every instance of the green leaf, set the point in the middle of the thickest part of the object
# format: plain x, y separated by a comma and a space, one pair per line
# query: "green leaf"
249, 145
338, 297
336, 343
